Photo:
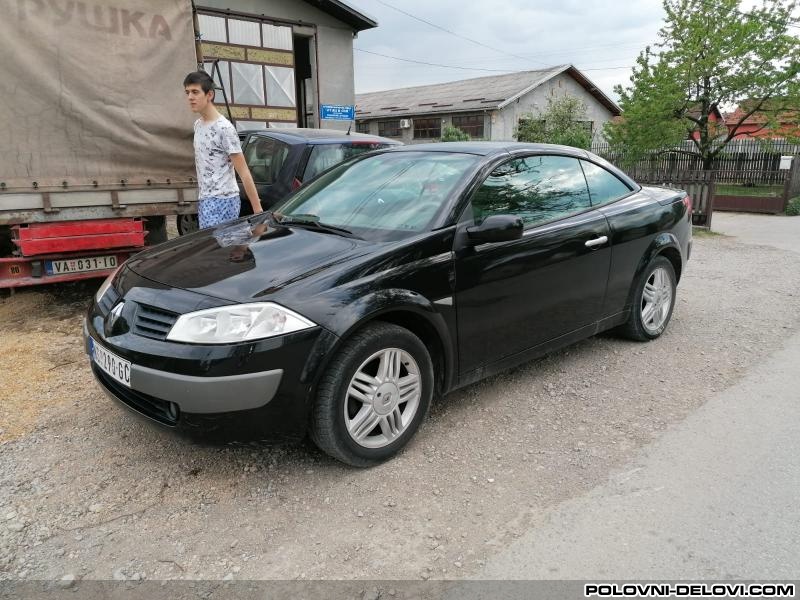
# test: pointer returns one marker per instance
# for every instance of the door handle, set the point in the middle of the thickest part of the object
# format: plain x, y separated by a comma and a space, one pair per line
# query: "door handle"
596, 242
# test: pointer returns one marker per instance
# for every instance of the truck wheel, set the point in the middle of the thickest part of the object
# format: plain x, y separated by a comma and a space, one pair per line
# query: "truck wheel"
374, 395
187, 224
156, 230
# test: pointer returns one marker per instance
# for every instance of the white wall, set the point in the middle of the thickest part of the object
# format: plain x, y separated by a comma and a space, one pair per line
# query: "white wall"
505, 120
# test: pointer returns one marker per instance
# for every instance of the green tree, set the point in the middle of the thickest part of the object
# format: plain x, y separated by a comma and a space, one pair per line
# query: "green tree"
454, 134
710, 55
564, 122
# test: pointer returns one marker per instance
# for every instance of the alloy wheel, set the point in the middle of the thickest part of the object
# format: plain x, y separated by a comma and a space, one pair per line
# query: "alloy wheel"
656, 300
382, 398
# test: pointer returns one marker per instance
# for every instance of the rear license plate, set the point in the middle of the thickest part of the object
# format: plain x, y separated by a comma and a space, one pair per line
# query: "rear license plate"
116, 367
80, 265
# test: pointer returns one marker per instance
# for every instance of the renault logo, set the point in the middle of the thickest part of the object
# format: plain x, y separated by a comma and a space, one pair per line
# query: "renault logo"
114, 315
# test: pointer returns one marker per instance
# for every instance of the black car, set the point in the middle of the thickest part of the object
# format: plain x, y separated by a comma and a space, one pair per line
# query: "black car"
388, 281
281, 160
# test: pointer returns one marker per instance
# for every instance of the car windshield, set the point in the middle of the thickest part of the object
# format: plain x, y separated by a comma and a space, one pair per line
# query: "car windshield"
324, 156
383, 197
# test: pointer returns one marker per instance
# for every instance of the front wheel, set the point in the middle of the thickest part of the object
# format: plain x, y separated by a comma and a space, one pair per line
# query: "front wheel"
653, 301
373, 396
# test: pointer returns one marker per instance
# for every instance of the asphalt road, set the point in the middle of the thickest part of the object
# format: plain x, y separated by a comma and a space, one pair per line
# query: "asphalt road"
715, 497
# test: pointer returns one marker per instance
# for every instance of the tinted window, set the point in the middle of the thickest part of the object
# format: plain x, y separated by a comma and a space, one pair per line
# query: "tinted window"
604, 187
325, 156
386, 196
265, 158
536, 188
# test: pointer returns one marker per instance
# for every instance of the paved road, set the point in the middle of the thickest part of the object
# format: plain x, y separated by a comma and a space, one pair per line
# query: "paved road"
714, 498
768, 230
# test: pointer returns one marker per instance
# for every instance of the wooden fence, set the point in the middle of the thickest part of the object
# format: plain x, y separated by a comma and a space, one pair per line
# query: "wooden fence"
750, 162
698, 184
746, 176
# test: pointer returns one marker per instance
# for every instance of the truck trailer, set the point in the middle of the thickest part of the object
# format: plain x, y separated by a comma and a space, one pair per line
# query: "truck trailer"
97, 139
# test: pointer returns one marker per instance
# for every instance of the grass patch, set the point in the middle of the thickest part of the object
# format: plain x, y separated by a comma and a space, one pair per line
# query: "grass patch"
759, 191
706, 233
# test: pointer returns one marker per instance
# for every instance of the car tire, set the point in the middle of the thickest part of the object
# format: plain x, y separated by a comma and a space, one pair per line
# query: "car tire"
187, 224
373, 396
653, 301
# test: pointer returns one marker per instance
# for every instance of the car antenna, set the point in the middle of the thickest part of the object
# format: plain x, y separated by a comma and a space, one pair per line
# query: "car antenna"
349, 127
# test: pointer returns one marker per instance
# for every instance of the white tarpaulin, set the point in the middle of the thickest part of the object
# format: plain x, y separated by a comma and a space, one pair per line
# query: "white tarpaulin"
92, 91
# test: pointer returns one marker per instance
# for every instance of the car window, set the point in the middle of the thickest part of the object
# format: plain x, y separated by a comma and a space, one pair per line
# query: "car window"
264, 157
604, 187
536, 188
385, 196
325, 156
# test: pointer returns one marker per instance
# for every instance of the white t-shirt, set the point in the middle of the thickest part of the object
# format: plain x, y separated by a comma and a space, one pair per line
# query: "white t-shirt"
213, 144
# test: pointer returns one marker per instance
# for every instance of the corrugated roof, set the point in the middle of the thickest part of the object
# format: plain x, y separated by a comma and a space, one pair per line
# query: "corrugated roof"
481, 93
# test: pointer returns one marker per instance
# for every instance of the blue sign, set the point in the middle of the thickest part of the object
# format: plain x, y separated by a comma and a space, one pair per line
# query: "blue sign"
338, 112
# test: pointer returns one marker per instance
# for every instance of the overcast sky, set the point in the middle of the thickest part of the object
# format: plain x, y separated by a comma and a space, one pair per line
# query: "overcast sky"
602, 38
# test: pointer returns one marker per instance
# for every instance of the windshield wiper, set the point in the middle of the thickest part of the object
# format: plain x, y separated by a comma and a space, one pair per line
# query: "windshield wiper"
313, 221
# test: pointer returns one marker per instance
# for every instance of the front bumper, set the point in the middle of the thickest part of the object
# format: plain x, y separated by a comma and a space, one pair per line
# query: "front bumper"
232, 392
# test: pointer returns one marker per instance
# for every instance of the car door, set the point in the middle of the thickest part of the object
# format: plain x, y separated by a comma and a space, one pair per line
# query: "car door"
512, 296
265, 157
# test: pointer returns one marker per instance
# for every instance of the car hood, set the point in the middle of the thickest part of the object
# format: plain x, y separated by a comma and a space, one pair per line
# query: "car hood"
230, 263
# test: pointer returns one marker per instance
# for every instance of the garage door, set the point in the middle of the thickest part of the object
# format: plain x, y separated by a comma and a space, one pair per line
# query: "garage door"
256, 68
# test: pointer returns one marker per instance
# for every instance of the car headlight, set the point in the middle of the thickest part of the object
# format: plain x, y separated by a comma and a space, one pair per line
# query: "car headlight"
106, 284
237, 323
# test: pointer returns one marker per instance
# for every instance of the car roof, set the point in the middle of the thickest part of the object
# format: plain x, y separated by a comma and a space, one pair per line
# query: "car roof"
488, 148
305, 135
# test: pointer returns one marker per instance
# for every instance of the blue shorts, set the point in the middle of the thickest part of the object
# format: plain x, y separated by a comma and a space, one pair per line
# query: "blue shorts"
213, 211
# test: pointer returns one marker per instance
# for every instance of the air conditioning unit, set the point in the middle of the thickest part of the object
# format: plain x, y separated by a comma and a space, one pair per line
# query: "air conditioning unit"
405, 123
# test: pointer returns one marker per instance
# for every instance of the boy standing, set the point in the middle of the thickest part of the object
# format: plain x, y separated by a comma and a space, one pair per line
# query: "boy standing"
217, 153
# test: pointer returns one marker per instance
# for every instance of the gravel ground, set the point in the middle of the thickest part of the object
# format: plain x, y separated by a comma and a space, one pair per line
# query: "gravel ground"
90, 492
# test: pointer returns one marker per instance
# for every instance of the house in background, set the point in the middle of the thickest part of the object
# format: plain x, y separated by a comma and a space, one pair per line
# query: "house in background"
756, 125
715, 117
488, 108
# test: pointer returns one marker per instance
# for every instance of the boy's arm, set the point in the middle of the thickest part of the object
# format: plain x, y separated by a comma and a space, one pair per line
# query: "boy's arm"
247, 180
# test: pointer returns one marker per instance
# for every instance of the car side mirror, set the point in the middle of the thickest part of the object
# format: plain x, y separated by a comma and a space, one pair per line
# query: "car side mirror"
496, 228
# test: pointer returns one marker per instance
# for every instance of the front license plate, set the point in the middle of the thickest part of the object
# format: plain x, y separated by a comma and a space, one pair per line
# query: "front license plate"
80, 265
118, 368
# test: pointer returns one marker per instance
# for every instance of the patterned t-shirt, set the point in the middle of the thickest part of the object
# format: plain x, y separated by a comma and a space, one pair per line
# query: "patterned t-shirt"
213, 144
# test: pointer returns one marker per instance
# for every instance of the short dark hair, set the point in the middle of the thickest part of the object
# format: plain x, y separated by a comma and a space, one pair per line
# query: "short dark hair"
200, 78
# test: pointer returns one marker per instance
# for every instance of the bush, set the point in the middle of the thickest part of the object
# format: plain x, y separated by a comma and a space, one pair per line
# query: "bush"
454, 134
793, 207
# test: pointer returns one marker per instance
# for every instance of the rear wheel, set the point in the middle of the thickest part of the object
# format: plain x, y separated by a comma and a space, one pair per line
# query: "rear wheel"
653, 301
373, 396
187, 224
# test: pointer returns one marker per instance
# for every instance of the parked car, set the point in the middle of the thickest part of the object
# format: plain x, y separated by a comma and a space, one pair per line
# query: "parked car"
388, 281
281, 160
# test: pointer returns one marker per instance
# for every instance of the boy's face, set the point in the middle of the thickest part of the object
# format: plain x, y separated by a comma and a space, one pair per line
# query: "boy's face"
197, 98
